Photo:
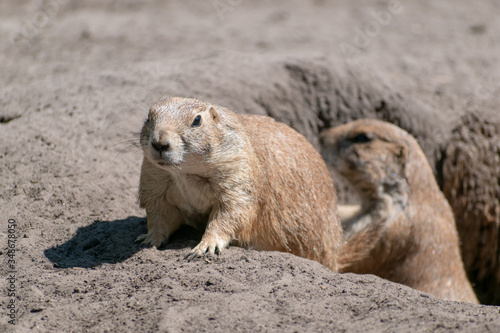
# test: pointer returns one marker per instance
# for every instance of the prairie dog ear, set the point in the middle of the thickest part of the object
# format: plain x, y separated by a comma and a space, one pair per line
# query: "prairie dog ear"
402, 154
214, 114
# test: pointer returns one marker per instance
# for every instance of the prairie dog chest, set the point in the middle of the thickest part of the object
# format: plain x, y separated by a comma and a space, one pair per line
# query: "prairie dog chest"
192, 194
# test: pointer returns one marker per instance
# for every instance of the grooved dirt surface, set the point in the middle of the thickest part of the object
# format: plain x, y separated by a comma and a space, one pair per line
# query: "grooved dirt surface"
77, 78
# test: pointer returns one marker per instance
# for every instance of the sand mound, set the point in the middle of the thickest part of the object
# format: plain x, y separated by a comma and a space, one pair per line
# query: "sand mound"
471, 173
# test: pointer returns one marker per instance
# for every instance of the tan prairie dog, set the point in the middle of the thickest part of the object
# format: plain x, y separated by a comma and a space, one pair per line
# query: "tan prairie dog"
241, 178
405, 230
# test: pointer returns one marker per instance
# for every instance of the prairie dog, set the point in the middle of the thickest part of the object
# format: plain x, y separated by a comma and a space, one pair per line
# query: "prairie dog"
243, 179
405, 230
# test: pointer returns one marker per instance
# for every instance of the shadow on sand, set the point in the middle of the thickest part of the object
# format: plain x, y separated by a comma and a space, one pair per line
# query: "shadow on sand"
111, 242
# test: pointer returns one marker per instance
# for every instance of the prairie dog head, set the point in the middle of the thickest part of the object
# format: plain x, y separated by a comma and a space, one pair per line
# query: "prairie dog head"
371, 154
180, 133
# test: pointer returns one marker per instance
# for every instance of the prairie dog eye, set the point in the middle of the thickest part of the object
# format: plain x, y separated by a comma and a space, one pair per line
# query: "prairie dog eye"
196, 121
363, 138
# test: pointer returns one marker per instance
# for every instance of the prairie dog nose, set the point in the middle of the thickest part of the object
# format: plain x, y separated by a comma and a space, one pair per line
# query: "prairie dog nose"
164, 140
327, 138
160, 146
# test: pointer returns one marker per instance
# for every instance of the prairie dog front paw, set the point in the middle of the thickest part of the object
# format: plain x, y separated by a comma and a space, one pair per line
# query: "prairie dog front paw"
208, 244
153, 238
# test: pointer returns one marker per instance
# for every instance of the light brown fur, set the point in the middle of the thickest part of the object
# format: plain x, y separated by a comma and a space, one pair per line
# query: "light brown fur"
242, 178
404, 231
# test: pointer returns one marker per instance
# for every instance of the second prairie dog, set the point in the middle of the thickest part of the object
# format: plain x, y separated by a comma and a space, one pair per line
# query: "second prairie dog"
405, 230
241, 178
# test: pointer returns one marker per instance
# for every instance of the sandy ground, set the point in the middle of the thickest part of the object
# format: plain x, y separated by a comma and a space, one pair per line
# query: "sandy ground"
77, 79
